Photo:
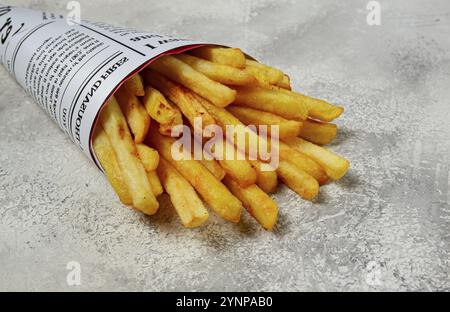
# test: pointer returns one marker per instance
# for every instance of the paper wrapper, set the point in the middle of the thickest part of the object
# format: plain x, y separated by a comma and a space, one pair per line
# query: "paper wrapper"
72, 70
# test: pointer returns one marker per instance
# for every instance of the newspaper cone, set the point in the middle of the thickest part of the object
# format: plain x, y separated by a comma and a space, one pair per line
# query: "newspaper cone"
71, 70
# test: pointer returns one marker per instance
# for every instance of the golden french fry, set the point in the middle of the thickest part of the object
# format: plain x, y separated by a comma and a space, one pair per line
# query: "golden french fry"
335, 166
155, 183
186, 100
258, 204
261, 79
318, 132
266, 180
214, 167
224, 118
298, 180
211, 164
166, 129
226, 56
221, 73
237, 168
221, 116
180, 72
272, 101
317, 108
135, 114
115, 126
185, 200
158, 107
321, 109
149, 157
105, 154
249, 116
213, 192
269, 74
303, 162
135, 85
285, 83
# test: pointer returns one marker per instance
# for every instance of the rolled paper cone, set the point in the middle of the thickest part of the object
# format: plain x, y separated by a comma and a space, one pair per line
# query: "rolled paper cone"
71, 68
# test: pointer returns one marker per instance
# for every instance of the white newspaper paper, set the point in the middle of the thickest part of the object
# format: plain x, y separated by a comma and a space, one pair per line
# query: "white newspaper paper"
71, 70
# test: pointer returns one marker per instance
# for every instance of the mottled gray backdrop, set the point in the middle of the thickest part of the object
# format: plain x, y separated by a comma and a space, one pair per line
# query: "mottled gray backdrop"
385, 226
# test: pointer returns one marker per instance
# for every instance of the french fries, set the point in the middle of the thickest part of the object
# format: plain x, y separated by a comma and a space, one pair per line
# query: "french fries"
335, 166
183, 98
214, 167
224, 118
135, 85
249, 116
266, 180
320, 109
303, 162
257, 202
284, 83
318, 132
261, 79
209, 162
142, 158
148, 156
155, 184
162, 110
158, 107
115, 126
185, 200
221, 115
224, 56
239, 170
224, 74
182, 73
166, 129
214, 193
137, 117
317, 109
272, 101
268, 74
150, 160
105, 154
298, 180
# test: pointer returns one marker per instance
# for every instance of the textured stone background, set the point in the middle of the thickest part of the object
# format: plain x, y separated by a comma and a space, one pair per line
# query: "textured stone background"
385, 226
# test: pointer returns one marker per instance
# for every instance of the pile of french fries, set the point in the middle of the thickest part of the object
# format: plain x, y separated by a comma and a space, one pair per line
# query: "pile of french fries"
133, 139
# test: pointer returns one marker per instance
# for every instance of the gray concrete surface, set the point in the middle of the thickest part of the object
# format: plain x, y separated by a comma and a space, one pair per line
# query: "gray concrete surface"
385, 226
